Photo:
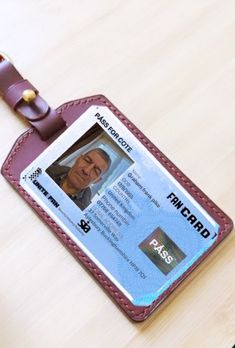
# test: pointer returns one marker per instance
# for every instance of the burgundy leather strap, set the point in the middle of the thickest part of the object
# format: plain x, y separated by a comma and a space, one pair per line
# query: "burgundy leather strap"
12, 85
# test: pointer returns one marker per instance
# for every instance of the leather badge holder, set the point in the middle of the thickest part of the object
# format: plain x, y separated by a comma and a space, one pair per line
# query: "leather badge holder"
140, 237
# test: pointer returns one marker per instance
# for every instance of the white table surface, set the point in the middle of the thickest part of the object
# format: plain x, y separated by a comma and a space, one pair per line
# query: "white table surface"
170, 67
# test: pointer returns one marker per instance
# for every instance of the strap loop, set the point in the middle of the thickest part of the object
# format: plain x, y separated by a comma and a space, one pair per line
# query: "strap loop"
24, 98
14, 93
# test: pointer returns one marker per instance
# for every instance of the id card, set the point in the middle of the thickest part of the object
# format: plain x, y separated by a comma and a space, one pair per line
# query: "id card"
120, 205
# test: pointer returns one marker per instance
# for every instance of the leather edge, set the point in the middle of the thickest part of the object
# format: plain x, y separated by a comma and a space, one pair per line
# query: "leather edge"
132, 311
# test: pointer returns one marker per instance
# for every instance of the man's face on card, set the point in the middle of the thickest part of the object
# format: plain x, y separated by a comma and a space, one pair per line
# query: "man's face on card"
87, 170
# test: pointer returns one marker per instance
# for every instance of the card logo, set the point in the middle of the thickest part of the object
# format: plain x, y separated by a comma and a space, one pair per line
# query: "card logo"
162, 251
84, 225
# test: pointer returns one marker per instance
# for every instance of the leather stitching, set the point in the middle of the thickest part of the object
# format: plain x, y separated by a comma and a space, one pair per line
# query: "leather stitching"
72, 246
